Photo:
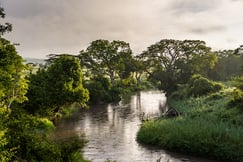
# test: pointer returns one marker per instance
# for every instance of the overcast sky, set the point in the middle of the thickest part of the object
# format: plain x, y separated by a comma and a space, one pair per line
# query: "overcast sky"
68, 26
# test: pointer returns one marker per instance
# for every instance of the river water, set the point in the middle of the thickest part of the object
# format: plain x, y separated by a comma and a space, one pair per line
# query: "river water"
111, 130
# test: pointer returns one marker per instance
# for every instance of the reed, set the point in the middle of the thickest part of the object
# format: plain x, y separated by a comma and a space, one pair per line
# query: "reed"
207, 128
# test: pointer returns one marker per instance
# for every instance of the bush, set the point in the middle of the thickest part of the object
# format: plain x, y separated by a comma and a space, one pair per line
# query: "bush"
71, 150
45, 125
215, 96
238, 82
236, 99
99, 88
29, 136
199, 86
181, 93
101, 91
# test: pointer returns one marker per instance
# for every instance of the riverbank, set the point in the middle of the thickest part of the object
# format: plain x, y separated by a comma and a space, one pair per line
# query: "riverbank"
207, 128
111, 130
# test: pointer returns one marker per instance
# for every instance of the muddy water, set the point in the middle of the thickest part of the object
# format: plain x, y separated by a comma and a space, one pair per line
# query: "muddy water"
111, 130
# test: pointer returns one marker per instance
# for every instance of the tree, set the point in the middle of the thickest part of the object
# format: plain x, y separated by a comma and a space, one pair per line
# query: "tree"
107, 58
59, 85
99, 90
239, 50
13, 85
175, 61
138, 68
229, 65
4, 28
199, 86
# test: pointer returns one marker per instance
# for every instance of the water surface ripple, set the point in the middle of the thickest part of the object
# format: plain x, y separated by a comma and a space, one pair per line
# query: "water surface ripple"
111, 130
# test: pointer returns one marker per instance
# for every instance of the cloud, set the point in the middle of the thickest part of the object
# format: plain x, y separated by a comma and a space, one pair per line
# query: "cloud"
60, 26
28, 8
209, 29
80, 22
193, 6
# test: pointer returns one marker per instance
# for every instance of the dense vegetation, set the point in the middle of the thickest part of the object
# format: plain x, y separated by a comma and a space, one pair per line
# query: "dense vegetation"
210, 124
210, 113
25, 136
188, 71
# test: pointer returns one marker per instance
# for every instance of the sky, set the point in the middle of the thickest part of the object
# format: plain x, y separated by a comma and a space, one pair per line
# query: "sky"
43, 27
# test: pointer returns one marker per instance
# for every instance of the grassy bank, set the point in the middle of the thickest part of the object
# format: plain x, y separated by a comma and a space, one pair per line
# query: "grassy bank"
208, 127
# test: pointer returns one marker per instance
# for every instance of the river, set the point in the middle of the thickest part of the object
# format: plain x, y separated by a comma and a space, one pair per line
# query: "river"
111, 130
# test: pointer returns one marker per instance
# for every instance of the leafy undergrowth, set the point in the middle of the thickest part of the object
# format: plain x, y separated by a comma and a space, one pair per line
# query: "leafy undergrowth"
208, 127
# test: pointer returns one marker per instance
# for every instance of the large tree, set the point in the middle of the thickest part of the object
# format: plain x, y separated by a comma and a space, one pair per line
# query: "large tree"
175, 61
107, 58
59, 85
13, 85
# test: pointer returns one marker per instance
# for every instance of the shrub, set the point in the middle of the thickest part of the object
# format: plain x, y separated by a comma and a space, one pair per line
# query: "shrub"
29, 137
215, 96
182, 92
199, 86
71, 149
236, 99
238, 82
45, 125
99, 88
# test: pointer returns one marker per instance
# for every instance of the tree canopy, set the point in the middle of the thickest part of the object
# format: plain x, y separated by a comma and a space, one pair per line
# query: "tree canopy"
175, 61
107, 58
13, 85
4, 28
59, 85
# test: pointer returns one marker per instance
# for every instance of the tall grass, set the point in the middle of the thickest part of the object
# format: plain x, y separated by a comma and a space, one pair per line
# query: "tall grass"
195, 136
207, 128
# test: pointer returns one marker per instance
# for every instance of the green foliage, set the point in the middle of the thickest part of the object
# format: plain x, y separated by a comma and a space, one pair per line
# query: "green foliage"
59, 85
138, 67
29, 135
68, 111
5, 153
65, 82
195, 136
236, 99
173, 62
24, 137
208, 127
110, 160
4, 28
104, 58
237, 95
238, 82
13, 85
30, 143
99, 88
199, 86
229, 65
213, 107
181, 93
70, 150
44, 125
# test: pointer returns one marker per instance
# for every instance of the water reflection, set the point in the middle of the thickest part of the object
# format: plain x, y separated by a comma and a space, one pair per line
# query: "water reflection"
111, 130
